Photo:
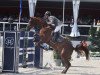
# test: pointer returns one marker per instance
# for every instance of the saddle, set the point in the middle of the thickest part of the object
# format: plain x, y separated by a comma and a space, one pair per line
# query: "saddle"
56, 37
60, 39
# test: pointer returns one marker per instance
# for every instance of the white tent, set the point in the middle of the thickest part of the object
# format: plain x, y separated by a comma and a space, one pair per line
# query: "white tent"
75, 31
32, 5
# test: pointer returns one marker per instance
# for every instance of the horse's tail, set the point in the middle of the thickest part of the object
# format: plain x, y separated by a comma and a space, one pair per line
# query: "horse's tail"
85, 49
87, 53
76, 49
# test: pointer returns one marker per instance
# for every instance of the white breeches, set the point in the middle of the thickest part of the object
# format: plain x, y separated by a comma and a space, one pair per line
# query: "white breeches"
58, 28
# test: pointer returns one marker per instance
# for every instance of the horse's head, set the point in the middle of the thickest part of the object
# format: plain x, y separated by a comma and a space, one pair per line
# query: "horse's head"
36, 22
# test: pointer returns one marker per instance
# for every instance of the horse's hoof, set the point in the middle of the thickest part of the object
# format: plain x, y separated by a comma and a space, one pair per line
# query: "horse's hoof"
63, 72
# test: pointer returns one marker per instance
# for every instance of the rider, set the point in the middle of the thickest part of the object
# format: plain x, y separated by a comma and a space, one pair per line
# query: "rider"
55, 22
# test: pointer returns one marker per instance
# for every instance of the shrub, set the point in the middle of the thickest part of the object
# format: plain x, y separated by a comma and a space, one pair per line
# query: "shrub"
56, 55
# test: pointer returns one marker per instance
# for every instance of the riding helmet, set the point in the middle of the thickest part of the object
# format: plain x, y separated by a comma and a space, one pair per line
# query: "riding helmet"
48, 13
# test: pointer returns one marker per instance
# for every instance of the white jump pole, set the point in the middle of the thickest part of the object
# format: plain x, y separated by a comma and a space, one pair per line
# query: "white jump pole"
63, 11
75, 31
32, 5
63, 15
20, 14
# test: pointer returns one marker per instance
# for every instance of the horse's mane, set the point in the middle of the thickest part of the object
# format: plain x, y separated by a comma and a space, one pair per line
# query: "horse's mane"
40, 21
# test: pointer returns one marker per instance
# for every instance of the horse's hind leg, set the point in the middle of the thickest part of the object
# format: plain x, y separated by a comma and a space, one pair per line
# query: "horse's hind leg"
65, 61
86, 53
67, 64
78, 54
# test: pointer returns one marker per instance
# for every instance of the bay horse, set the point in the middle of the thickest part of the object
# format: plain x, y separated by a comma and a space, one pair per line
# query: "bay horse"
64, 47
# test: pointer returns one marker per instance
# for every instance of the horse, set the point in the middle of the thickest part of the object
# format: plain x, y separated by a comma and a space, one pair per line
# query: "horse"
81, 49
64, 47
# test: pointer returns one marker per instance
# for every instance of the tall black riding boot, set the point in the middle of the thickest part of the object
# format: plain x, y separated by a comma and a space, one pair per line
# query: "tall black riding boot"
55, 36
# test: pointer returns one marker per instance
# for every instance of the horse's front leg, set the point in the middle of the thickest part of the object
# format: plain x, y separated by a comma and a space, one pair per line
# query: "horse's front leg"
38, 43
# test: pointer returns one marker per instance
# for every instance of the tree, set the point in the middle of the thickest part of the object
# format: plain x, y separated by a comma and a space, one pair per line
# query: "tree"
94, 38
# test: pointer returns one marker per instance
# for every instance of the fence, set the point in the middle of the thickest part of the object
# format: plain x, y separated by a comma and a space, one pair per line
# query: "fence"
64, 30
26, 48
